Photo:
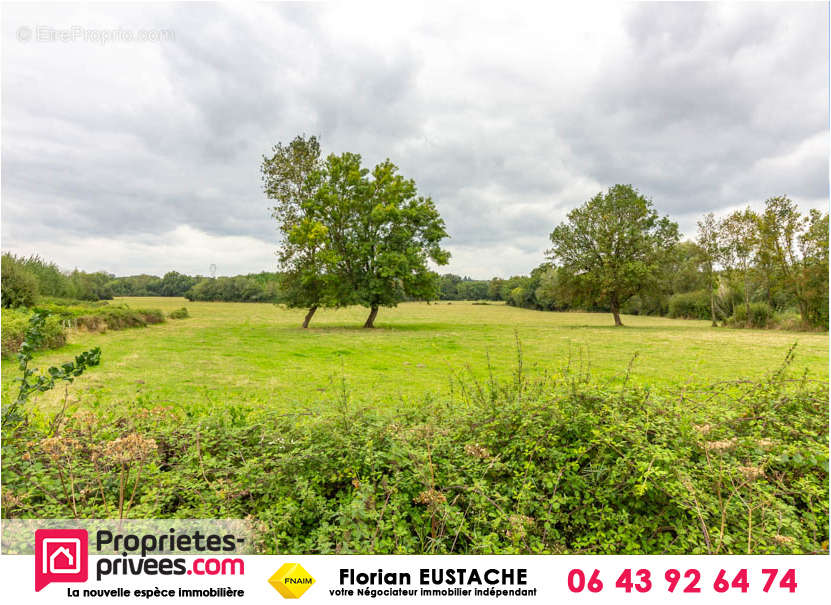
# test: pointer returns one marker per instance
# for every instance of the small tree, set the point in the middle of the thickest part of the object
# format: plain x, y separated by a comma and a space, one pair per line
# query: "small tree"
613, 246
798, 247
710, 253
739, 235
780, 227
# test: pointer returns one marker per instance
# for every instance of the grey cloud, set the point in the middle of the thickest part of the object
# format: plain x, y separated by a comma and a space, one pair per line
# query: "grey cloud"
702, 107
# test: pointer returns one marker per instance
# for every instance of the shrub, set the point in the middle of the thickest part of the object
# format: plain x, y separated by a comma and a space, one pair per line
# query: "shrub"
179, 313
761, 316
15, 324
633, 306
690, 305
97, 317
118, 317
645, 304
19, 286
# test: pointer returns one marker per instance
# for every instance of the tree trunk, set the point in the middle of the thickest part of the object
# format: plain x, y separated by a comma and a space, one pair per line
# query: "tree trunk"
713, 306
747, 301
616, 313
373, 313
309, 315
803, 310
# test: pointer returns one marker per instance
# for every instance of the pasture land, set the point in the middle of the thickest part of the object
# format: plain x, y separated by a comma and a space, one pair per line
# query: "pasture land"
434, 434
256, 354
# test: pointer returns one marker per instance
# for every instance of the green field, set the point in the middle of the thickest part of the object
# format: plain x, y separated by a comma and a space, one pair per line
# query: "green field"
434, 434
249, 353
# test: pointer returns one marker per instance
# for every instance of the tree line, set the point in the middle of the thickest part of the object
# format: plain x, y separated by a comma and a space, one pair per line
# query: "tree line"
26, 279
354, 236
29, 280
616, 254
253, 287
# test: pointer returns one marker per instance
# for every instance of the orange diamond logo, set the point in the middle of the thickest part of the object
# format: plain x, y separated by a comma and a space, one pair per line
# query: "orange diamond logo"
291, 580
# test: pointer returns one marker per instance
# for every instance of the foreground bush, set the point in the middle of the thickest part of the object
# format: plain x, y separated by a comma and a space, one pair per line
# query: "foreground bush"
14, 324
561, 465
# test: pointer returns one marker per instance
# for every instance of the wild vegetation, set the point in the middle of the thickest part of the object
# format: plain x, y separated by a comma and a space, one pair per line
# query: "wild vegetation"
776, 259
62, 315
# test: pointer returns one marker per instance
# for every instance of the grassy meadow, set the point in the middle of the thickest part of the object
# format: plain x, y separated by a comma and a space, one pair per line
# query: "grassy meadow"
256, 354
434, 434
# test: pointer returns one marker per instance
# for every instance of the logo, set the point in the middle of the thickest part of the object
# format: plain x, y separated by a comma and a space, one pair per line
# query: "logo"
291, 580
60, 556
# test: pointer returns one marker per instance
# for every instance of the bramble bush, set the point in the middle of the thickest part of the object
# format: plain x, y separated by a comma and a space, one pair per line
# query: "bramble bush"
34, 380
559, 464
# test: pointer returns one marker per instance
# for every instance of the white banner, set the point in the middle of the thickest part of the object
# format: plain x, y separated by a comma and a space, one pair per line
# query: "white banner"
415, 579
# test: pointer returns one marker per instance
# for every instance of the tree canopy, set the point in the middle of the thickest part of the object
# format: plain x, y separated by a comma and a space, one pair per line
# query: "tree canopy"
351, 235
290, 178
613, 246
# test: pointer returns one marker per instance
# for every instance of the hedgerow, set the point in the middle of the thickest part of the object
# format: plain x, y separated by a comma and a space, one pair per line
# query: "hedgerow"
62, 315
103, 317
560, 464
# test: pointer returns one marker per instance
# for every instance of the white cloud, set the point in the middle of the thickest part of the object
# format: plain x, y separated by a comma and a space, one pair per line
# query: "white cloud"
184, 249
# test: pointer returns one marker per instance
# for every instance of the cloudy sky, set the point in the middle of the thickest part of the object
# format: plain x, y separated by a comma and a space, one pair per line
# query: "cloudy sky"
133, 155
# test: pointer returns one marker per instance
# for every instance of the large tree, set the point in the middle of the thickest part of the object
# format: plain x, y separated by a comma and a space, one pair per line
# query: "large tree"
813, 245
290, 178
381, 232
797, 246
613, 246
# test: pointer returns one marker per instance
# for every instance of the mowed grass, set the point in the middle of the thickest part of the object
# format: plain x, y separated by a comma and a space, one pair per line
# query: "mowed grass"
256, 354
